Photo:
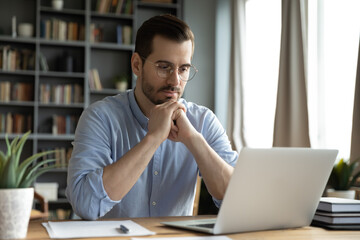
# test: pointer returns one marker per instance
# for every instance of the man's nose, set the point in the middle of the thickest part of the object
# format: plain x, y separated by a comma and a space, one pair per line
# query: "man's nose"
174, 78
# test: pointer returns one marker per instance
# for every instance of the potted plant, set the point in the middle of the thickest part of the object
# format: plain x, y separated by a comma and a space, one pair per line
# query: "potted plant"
121, 82
16, 193
342, 178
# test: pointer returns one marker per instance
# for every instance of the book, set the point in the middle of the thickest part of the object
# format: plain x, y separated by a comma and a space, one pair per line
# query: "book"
337, 218
328, 204
336, 226
94, 80
127, 33
119, 37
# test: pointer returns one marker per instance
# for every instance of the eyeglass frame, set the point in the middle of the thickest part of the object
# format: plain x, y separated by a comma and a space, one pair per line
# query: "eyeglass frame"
171, 71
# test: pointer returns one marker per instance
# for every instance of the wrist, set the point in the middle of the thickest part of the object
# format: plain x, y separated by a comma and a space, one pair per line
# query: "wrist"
193, 140
152, 139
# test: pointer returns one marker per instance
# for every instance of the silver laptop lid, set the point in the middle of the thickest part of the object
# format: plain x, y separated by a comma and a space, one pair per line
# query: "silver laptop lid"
274, 189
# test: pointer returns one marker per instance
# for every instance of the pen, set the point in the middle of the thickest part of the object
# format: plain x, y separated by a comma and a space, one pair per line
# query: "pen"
124, 229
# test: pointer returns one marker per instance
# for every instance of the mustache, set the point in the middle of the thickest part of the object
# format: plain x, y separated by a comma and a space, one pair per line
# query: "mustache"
169, 88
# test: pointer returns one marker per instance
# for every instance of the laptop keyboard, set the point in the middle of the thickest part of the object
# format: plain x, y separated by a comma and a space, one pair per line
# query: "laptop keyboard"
204, 225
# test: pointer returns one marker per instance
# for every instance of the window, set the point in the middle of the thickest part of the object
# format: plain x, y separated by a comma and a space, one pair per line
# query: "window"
333, 41
334, 31
263, 31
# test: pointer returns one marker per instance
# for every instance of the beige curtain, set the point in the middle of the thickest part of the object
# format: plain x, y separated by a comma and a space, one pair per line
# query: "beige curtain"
355, 138
235, 123
291, 128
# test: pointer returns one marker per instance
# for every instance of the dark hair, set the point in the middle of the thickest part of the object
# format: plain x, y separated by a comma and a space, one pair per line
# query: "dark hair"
167, 26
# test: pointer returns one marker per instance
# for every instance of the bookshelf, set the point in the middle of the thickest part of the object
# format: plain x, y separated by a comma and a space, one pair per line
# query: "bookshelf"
53, 68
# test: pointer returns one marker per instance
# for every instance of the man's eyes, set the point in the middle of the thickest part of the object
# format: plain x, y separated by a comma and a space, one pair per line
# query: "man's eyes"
168, 67
164, 66
184, 69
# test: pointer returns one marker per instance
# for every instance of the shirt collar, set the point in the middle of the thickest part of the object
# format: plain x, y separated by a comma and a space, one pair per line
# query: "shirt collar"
139, 115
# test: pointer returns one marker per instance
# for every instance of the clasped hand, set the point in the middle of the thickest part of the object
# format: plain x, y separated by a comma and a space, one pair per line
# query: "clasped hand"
169, 120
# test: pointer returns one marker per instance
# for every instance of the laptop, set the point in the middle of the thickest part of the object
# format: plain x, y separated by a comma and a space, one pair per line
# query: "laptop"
274, 188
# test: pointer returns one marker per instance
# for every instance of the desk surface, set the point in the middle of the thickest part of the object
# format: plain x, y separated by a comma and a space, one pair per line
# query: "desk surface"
37, 231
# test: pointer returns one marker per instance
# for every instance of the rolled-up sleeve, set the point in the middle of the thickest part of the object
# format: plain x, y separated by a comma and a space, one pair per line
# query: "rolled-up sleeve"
91, 154
210, 127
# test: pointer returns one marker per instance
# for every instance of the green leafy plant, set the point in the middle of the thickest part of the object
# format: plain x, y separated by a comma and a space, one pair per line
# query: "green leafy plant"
16, 174
342, 176
120, 78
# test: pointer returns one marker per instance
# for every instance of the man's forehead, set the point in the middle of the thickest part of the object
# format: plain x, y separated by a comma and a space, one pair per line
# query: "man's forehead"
163, 47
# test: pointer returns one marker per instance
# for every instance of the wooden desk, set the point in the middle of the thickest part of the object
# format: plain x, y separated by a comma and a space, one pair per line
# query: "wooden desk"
38, 232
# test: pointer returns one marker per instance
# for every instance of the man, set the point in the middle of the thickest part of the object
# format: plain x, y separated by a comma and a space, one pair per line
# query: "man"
138, 154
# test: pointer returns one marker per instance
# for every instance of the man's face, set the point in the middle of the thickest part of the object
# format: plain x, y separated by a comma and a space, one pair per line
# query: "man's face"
165, 52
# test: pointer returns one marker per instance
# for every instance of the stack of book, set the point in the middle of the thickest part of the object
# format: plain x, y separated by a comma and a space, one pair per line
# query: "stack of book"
337, 213
94, 80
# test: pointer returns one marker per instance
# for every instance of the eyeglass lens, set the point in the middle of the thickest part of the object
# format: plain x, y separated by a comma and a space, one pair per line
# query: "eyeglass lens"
185, 72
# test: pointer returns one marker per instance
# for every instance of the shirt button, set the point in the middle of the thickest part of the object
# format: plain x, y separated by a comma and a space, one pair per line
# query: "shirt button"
153, 203
156, 173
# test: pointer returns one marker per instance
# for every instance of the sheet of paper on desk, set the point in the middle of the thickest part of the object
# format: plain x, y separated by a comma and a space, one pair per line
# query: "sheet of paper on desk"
86, 229
189, 238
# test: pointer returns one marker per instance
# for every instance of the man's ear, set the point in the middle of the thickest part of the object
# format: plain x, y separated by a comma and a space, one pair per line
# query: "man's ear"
136, 64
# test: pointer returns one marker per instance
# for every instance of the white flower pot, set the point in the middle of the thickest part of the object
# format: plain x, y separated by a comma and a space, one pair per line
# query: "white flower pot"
15, 209
57, 4
341, 194
121, 86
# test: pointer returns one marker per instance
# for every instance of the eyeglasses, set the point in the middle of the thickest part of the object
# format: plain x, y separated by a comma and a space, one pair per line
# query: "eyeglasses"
165, 69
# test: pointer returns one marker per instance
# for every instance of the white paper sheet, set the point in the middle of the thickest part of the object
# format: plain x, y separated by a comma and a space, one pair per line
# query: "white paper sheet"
86, 229
189, 238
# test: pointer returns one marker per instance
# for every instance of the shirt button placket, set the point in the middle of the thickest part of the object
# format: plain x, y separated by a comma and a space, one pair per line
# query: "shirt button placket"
155, 182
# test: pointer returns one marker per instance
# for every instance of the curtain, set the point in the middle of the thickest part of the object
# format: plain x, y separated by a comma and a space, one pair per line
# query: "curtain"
355, 138
291, 127
235, 120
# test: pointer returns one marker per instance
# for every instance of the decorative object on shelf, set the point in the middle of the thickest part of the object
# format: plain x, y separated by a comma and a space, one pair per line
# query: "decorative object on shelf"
121, 82
16, 195
57, 4
342, 179
25, 30
13, 26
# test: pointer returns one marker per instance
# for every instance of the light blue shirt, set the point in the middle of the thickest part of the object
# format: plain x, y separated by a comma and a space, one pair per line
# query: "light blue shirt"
111, 127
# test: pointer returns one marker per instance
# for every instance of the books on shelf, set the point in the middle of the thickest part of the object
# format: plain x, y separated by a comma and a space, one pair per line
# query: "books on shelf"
94, 80
12, 59
15, 123
64, 124
17, 91
61, 93
57, 29
337, 213
123, 33
61, 155
96, 33
114, 6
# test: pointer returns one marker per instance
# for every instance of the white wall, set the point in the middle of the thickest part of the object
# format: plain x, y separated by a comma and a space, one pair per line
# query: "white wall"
200, 16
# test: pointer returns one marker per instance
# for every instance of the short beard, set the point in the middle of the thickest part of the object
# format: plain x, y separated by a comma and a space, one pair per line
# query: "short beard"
150, 92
